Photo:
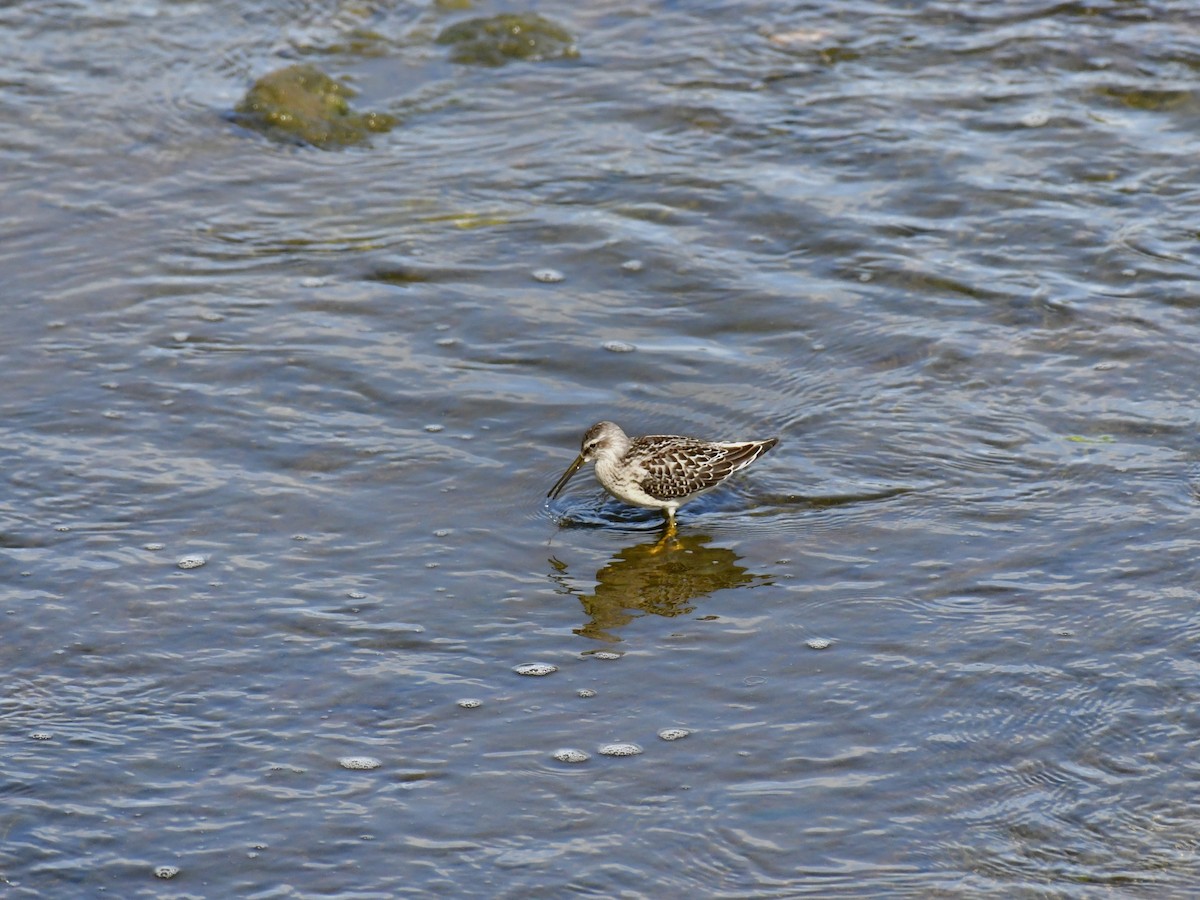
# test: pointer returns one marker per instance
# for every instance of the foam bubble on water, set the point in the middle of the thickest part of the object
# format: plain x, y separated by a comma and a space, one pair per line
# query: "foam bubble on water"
585, 693
535, 669
606, 654
633, 265
356, 595
797, 37
819, 643
620, 749
42, 735
165, 872
360, 763
191, 561
154, 545
569, 755
433, 428
619, 347
1035, 119
470, 703
673, 734
548, 276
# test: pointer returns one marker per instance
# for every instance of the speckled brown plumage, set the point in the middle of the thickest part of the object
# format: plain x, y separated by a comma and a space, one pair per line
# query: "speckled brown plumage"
678, 466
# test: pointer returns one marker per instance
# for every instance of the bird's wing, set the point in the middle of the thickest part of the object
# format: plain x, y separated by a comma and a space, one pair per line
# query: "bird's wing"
675, 467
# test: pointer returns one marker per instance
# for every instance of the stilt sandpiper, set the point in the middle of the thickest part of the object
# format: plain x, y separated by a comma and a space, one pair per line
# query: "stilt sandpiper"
659, 471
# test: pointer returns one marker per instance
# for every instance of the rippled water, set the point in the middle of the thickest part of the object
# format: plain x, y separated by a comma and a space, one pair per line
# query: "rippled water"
279, 424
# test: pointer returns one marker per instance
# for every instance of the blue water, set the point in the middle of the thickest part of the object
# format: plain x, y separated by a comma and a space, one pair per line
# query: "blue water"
941, 640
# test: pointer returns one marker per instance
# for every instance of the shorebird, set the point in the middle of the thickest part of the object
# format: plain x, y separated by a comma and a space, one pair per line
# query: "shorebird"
659, 471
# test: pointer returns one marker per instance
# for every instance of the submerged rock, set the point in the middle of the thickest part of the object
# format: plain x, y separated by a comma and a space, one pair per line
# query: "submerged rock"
302, 103
494, 40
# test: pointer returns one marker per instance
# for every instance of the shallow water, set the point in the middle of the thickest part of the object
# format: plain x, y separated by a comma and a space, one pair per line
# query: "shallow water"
941, 640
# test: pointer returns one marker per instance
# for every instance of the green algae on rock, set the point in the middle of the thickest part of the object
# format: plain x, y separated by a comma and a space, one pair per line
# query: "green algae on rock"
494, 40
302, 103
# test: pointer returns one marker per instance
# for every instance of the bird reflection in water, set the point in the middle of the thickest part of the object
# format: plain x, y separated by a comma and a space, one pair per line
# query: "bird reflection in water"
655, 578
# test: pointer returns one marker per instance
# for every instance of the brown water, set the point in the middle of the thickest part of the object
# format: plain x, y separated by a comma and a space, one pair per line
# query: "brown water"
942, 640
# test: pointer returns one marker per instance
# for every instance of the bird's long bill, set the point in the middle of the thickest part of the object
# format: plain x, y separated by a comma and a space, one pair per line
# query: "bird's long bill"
562, 482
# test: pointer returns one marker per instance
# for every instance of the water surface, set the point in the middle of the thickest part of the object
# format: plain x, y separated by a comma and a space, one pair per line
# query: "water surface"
941, 640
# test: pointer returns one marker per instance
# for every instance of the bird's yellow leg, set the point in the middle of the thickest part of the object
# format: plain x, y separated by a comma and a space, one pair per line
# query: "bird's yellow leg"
669, 534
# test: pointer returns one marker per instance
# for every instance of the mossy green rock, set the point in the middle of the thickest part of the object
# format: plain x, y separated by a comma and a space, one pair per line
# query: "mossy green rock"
302, 103
495, 40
